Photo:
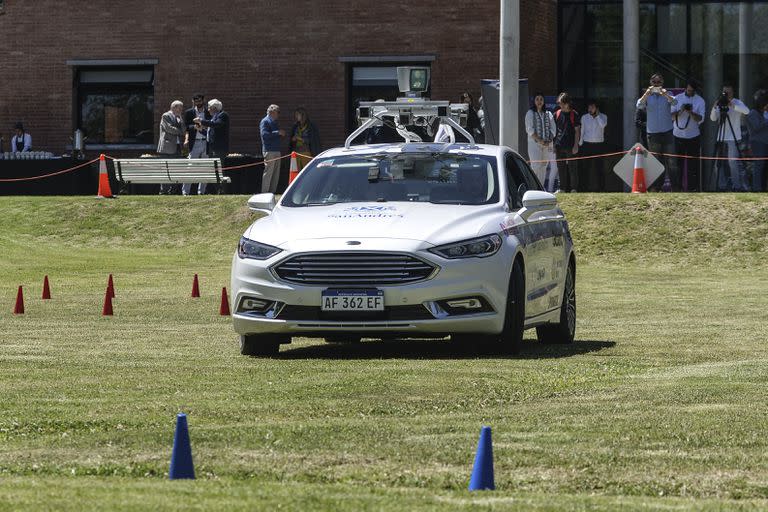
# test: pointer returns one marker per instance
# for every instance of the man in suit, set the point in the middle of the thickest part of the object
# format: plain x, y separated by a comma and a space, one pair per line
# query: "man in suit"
218, 129
196, 136
171, 136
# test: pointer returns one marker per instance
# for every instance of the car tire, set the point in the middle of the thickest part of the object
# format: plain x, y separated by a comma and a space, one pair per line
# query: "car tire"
259, 345
511, 337
564, 331
343, 339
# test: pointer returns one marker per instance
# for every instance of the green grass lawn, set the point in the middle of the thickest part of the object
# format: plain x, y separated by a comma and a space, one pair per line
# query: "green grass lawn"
660, 404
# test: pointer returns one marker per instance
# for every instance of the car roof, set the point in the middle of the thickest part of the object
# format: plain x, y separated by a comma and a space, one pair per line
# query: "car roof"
416, 147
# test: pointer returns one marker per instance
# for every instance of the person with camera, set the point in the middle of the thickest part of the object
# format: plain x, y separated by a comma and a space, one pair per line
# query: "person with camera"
757, 122
688, 114
658, 103
728, 111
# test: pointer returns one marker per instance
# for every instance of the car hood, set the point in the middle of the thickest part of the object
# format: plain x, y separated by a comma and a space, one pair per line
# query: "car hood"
427, 222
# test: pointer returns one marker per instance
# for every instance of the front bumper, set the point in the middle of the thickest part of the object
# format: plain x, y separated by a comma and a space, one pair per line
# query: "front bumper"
411, 309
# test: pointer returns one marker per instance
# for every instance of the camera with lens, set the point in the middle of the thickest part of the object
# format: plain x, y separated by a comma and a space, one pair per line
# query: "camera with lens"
723, 101
688, 107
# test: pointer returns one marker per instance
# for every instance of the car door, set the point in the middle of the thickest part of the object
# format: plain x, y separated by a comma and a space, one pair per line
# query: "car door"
544, 245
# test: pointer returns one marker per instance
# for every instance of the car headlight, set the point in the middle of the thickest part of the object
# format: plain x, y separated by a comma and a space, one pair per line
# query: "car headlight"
475, 248
254, 250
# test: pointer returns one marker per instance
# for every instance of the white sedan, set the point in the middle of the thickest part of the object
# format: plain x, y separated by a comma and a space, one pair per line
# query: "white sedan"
406, 240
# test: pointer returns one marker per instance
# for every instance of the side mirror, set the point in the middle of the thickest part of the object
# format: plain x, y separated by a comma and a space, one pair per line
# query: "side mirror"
262, 202
538, 200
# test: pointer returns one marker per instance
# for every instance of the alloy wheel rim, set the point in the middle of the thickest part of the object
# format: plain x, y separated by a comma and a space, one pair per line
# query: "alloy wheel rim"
570, 305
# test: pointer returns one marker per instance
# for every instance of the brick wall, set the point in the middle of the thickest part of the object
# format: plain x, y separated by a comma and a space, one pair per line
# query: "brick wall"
252, 53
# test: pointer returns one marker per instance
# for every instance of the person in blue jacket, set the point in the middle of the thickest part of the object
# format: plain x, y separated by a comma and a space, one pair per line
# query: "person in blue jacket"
270, 147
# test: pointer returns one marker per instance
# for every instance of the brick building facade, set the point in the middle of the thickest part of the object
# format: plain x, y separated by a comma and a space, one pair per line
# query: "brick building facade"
61, 58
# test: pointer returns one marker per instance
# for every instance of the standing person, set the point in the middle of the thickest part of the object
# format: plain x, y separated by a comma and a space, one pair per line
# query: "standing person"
218, 129
474, 126
592, 143
540, 127
304, 138
688, 113
757, 122
171, 137
730, 138
566, 142
196, 133
270, 146
657, 103
22, 141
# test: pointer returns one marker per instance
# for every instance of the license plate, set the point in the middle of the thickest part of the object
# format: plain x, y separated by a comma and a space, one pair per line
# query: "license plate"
352, 300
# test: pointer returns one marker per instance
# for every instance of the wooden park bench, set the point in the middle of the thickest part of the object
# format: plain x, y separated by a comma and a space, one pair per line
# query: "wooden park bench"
172, 170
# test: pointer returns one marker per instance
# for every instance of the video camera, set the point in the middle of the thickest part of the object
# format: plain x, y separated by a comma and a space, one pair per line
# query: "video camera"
722, 102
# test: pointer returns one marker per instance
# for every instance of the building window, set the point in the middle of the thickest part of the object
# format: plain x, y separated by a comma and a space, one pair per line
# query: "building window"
115, 105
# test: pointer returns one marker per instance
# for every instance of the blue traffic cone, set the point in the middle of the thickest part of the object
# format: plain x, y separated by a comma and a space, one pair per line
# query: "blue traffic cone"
181, 458
482, 471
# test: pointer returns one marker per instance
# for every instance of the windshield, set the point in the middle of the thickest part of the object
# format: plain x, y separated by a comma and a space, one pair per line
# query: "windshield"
426, 178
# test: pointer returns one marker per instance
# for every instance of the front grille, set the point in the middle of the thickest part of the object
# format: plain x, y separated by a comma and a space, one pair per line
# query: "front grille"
355, 269
390, 314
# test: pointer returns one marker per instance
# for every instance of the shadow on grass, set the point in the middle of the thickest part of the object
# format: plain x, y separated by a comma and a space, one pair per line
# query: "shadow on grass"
438, 349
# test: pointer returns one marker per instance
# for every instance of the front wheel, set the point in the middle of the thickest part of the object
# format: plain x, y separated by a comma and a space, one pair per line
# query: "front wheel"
565, 330
511, 337
259, 345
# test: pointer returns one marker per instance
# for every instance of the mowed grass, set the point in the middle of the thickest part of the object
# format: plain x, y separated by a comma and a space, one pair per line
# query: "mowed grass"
660, 404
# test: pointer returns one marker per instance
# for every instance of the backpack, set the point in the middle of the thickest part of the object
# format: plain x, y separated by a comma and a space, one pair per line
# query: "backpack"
573, 116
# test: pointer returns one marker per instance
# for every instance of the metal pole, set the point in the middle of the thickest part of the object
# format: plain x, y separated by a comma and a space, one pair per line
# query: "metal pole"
631, 66
745, 52
713, 83
509, 73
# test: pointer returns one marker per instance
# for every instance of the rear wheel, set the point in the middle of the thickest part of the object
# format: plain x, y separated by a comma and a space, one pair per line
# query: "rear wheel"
565, 330
259, 345
514, 317
343, 339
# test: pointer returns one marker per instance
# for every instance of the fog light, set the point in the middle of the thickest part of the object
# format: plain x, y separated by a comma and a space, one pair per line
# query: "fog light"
470, 303
251, 304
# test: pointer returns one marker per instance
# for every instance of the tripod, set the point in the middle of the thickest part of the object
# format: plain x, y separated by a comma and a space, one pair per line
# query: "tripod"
721, 150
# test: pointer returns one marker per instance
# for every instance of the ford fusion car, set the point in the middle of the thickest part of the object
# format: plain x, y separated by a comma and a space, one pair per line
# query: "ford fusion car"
406, 240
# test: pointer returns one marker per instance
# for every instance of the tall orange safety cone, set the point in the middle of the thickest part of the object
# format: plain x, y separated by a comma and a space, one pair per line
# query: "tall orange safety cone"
638, 178
107, 309
195, 287
293, 172
224, 308
46, 289
18, 309
104, 189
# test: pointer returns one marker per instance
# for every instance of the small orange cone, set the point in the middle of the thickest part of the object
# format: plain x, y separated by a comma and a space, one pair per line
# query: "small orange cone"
18, 309
107, 309
294, 170
195, 287
224, 308
104, 189
46, 289
111, 287
638, 178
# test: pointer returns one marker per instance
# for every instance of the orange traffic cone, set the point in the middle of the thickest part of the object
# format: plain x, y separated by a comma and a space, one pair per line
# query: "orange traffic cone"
293, 172
104, 190
195, 287
638, 178
107, 309
224, 308
46, 289
18, 309
111, 287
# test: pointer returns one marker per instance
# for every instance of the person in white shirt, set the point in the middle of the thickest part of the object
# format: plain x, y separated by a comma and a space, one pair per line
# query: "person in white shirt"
728, 136
540, 127
22, 141
687, 114
592, 141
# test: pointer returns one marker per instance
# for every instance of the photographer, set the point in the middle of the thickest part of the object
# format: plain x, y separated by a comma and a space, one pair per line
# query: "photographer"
688, 114
729, 135
657, 102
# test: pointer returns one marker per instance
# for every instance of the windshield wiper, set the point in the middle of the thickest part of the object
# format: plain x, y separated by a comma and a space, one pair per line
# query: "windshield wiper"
320, 204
